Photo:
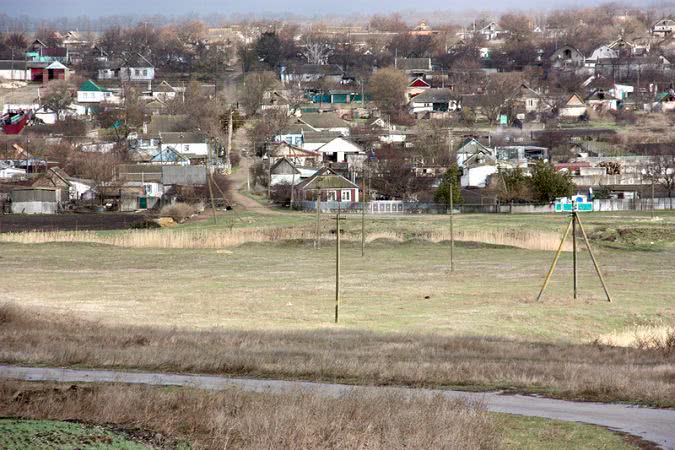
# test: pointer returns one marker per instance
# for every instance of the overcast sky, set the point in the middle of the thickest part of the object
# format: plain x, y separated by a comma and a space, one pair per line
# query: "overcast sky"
95, 8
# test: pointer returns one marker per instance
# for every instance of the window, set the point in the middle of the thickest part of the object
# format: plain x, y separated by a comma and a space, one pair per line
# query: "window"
330, 196
137, 72
187, 147
346, 195
145, 72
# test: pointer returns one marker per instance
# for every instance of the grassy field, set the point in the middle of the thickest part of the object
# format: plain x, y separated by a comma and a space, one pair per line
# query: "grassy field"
251, 296
396, 287
18, 434
235, 419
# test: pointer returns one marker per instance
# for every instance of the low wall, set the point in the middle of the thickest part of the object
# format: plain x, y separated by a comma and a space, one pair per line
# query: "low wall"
34, 207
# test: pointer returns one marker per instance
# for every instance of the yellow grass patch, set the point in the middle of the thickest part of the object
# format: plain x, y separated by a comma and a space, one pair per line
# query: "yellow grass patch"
210, 239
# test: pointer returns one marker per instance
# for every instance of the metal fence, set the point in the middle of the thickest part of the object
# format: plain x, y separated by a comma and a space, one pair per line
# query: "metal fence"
403, 207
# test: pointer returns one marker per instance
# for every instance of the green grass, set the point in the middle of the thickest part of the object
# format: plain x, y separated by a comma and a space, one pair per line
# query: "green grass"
533, 433
291, 286
18, 434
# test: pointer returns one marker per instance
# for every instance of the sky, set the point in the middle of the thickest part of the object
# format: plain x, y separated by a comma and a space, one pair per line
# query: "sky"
97, 8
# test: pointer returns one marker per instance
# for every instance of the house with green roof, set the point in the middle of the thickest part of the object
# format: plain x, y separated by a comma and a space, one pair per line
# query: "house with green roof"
330, 186
90, 92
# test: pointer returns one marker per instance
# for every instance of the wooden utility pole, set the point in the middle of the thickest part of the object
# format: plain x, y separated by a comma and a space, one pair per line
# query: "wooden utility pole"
363, 215
337, 264
452, 231
317, 241
652, 196
209, 179
574, 252
228, 149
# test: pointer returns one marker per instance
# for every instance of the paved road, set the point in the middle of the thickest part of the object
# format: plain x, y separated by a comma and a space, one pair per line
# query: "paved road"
655, 425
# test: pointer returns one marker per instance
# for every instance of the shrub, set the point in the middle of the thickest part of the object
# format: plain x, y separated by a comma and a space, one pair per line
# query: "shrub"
178, 211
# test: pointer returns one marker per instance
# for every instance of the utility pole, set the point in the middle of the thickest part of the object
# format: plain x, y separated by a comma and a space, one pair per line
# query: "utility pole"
229, 141
574, 252
317, 241
652, 196
363, 213
337, 264
292, 185
452, 231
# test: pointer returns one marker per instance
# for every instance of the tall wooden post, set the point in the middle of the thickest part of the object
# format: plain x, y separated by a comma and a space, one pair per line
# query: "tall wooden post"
317, 242
363, 214
337, 264
452, 231
574, 251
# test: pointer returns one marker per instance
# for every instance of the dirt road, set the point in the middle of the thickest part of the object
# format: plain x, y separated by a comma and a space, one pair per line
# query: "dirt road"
654, 425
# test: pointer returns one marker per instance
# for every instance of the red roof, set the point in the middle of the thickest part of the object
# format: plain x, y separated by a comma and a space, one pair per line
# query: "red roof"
418, 82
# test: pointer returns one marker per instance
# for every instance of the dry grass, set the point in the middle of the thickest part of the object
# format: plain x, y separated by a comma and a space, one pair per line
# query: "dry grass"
216, 239
178, 211
659, 337
589, 372
235, 419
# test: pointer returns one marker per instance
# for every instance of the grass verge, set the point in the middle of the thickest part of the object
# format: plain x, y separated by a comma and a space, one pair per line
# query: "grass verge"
186, 418
572, 371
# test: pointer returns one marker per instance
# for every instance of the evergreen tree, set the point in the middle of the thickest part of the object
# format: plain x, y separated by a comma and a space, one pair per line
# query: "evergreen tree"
547, 184
450, 181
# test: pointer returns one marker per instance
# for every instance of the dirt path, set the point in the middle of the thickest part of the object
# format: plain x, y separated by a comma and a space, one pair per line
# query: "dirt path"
654, 425
238, 179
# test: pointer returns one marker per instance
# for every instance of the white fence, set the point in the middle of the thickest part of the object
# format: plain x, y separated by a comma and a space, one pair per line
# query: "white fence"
401, 207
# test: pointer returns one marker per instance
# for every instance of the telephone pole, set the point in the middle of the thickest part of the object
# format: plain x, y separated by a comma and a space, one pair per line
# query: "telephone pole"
337, 264
452, 231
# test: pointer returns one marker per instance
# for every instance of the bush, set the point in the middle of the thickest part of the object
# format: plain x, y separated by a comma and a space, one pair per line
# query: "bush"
178, 211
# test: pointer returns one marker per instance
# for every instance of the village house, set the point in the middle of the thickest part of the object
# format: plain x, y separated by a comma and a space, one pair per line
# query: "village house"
295, 154
133, 67
306, 73
327, 185
90, 92
663, 27
325, 121
163, 92
285, 171
416, 87
435, 100
573, 108
414, 68
339, 150
567, 57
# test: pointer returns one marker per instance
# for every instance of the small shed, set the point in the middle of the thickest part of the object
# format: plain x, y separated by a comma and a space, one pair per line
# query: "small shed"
34, 200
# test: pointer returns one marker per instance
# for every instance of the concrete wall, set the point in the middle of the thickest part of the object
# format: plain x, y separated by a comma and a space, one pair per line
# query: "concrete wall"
34, 207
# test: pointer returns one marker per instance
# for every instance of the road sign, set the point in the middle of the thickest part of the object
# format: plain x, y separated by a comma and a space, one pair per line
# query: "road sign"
578, 203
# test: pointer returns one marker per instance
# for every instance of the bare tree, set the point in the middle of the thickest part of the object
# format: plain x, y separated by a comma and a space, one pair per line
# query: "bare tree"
253, 90
316, 52
388, 89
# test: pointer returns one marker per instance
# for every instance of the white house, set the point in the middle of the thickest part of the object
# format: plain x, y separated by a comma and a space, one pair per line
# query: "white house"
285, 171
187, 143
434, 100
134, 67
476, 170
574, 108
663, 27
90, 92
472, 147
338, 149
